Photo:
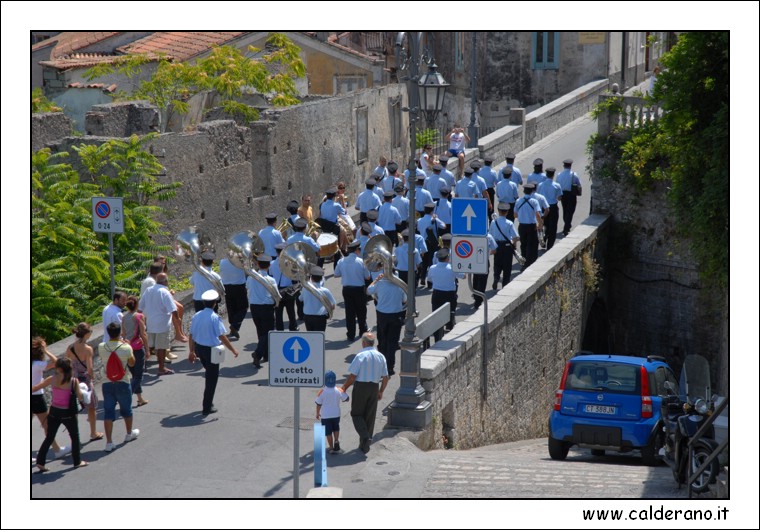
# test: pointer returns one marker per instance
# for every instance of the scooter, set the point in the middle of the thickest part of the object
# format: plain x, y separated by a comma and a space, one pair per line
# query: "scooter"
683, 415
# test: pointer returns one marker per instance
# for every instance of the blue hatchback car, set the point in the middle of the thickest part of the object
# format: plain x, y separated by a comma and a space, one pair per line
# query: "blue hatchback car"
609, 403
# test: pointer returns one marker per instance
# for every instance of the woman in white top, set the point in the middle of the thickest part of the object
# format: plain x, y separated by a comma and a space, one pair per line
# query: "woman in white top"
42, 360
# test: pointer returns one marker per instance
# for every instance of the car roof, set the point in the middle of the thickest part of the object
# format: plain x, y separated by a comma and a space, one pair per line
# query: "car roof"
627, 359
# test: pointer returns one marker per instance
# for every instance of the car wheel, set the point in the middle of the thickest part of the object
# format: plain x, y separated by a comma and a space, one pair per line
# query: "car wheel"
597, 452
650, 452
558, 449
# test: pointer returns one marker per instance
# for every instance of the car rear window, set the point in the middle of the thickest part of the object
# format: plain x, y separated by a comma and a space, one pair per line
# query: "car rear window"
617, 378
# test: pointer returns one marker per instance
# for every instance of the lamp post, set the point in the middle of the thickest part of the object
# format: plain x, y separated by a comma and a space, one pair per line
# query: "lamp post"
409, 408
473, 129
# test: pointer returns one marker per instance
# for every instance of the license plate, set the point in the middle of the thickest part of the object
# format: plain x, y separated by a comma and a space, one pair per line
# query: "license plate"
600, 409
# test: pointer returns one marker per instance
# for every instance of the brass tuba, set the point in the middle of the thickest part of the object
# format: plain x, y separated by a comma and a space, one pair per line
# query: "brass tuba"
190, 244
243, 248
295, 261
378, 255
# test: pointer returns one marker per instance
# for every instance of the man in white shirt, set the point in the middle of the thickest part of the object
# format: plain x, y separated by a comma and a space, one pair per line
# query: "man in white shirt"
157, 304
113, 311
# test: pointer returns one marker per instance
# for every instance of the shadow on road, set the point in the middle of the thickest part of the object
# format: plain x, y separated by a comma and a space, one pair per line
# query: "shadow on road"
190, 419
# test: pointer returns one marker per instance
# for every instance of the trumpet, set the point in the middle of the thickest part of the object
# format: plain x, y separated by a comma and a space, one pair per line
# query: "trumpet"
295, 261
190, 244
243, 248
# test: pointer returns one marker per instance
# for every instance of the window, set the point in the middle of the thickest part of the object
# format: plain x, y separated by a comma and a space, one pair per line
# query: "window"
343, 84
459, 51
362, 135
545, 50
397, 133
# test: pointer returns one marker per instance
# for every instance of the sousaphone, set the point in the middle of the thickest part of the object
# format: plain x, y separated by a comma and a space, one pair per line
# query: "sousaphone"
190, 244
243, 247
296, 261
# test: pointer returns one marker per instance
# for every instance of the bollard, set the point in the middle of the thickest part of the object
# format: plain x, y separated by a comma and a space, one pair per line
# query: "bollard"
320, 462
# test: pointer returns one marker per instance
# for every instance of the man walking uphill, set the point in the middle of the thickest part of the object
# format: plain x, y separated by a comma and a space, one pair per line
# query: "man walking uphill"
207, 332
367, 368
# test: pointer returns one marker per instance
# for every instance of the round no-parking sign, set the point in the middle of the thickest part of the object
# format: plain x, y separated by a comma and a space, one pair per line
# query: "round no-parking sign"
108, 215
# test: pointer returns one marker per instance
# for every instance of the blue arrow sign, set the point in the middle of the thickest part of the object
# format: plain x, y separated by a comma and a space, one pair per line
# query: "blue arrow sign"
296, 350
469, 217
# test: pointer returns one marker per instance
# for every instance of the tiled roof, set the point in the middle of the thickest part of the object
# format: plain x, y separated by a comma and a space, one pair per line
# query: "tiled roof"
68, 42
102, 86
181, 45
80, 60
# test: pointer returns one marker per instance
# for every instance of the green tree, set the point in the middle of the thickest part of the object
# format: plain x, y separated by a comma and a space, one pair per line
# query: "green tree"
42, 104
70, 269
688, 147
226, 70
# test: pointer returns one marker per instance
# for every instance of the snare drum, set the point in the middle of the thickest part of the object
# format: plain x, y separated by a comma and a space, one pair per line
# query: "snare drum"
328, 245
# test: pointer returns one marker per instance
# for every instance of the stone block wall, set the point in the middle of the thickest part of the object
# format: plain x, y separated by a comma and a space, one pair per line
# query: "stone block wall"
122, 119
658, 304
535, 325
49, 127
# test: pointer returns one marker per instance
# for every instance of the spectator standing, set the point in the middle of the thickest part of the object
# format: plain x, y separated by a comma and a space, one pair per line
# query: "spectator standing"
328, 410
118, 391
80, 355
158, 307
43, 360
113, 311
135, 330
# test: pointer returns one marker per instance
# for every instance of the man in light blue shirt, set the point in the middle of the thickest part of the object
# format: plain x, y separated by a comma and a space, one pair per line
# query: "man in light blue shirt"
270, 236
444, 281
285, 286
367, 368
528, 214
299, 226
553, 193
382, 168
516, 174
390, 317
507, 191
538, 175
571, 188
417, 173
200, 283
364, 231
372, 217
315, 314
490, 177
377, 190
329, 211
467, 188
481, 183
367, 200
401, 203
389, 218
391, 179
262, 308
447, 175
207, 331
401, 257
434, 182
353, 274
443, 208
235, 296
503, 232
430, 228
421, 195
480, 281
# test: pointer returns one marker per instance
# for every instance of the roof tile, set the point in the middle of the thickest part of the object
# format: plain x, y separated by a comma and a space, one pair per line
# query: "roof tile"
182, 45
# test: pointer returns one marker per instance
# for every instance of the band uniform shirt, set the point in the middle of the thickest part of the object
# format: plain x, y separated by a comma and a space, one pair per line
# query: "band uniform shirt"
443, 277
433, 184
300, 236
526, 209
312, 305
448, 176
551, 190
376, 229
421, 198
390, 297
466, 188
489, 175
506, 191
368, 366
401, 253
419, 244
281, 280
426, 222
506, 226
367, 200
270, 236
542, 202
566, 178
330, 210
401, 203
536, 178
206, 327
257, 293
230, 274
200, 282
388, 217
389, 183
443, 210
351, 271
516, 175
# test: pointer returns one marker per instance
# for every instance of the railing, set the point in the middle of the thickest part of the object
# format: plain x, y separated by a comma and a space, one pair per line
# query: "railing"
626, 112
441, 146
694, 439
427, 327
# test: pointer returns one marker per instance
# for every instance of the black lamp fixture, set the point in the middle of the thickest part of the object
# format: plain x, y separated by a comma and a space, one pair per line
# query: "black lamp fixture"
432, 89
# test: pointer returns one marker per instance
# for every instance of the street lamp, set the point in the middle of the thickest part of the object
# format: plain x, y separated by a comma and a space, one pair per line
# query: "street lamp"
409, 408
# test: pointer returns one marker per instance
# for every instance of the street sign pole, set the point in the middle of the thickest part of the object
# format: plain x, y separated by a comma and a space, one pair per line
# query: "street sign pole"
296, 437
110, 260
484, 341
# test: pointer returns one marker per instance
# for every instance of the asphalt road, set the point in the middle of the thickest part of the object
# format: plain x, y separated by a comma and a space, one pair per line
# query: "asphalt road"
246, 449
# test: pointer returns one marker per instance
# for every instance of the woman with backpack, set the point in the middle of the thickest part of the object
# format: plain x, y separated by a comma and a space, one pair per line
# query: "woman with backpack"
63, 410
133, 329
81, 356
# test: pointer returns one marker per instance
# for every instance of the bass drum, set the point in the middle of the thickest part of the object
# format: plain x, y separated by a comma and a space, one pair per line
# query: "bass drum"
328, 245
